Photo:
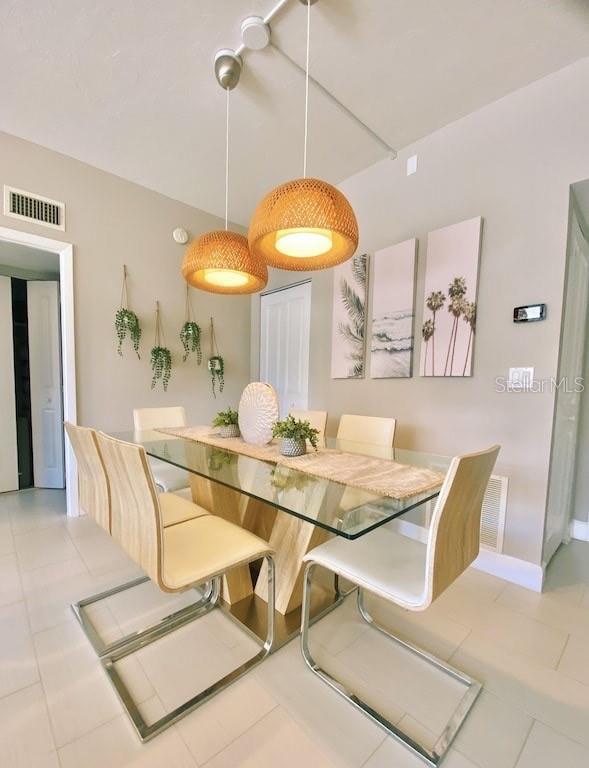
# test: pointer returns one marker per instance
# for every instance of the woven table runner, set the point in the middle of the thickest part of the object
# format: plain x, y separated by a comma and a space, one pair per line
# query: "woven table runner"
380, 476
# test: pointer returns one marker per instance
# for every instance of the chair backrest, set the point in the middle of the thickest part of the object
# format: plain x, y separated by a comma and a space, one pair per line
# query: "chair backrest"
135, 513
152, 418
454, 537
93, 487
317, 419
376, 430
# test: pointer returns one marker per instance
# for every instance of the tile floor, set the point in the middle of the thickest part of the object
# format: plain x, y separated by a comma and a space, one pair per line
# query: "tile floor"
57, 708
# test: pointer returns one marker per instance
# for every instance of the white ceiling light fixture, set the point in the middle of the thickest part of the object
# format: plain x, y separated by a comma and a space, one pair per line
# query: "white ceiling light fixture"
255, 33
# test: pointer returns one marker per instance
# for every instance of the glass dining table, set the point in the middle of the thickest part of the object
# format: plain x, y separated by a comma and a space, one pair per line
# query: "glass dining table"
292, 509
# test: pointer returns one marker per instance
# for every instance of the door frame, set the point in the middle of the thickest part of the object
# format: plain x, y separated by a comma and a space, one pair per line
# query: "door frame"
65, 251
575, 218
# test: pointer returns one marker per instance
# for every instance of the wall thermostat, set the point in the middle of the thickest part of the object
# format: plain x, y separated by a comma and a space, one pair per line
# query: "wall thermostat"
529, 314
180, 235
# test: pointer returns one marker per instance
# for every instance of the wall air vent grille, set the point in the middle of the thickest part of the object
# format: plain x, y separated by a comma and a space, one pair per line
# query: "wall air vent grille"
492, 516
19, 204
493, 513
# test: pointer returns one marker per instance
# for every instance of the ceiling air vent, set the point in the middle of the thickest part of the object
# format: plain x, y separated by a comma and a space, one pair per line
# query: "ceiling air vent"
19, 204
493, 513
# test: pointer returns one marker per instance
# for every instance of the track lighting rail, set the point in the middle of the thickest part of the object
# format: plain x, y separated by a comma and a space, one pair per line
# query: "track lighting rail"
243, 49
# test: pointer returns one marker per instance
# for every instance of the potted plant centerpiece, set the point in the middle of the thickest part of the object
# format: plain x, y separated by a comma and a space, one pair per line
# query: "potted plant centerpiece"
293, 434
227, 423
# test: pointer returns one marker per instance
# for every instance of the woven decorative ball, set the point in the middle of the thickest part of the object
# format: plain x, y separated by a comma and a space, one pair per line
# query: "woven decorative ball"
258, 412
221, 262
304, 205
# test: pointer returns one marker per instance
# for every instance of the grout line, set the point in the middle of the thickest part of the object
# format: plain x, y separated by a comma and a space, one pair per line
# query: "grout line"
87, 733
523, 746
19, 690
239, 736
41, 682
374, 751
501, 592
460, 644
564, 647
454, 748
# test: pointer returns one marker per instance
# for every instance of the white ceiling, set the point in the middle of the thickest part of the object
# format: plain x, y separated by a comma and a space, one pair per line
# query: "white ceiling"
27, 258
127, 85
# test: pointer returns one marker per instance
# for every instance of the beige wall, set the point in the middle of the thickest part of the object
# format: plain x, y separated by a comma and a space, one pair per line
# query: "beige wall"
511, 162
110, 222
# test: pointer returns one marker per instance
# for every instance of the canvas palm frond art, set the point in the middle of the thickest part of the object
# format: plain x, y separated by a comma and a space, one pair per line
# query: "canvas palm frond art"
349, 318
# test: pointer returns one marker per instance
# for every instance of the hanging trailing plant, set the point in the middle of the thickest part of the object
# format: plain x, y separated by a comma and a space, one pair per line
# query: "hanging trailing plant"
160, 357
190, 333
126, 321
216, 364
217, 369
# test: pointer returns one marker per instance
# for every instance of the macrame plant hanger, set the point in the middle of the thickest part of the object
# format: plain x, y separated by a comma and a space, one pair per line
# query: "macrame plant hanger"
190, 332
126, 321
216, 363
161, 357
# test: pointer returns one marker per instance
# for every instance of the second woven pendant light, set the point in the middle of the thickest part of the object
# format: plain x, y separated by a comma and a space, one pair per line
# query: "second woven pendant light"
304, 224
221, 261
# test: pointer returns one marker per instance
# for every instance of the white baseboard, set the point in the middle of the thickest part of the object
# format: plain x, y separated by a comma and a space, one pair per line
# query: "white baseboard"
579, 530
512, 569
528, 575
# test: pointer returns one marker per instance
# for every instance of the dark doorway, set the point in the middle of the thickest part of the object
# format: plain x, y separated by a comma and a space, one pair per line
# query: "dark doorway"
22, 384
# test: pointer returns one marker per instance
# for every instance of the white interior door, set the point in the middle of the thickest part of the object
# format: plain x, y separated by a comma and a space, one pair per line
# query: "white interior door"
284, 344
568, 398
8, 445
45, 373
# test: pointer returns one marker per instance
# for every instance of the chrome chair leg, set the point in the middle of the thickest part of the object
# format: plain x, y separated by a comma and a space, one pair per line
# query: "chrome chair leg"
432, 756
145, 731
175, 619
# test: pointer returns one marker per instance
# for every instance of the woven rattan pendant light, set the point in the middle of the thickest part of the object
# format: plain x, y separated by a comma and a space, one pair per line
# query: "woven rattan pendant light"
306, 223
221, 261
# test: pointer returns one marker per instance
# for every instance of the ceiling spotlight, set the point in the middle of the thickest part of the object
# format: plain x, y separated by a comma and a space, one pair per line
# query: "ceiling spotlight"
255, 33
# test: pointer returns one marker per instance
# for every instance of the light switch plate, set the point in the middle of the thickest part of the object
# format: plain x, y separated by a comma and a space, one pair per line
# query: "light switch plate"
520, 379
411, 165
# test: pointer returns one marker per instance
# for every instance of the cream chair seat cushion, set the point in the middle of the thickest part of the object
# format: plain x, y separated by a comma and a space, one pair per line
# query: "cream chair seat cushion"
384, 562
176, 509
205, 547
167, 476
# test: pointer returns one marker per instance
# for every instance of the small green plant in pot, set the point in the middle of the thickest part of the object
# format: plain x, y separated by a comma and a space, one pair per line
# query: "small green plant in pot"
228, 424
293, 434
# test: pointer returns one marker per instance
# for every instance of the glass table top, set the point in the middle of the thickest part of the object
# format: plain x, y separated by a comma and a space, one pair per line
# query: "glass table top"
345, 510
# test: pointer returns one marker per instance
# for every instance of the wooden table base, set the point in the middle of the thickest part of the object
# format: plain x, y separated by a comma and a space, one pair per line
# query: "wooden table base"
290, 538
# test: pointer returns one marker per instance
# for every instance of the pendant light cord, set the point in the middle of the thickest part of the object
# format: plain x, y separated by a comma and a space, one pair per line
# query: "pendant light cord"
307, 88
227, 165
